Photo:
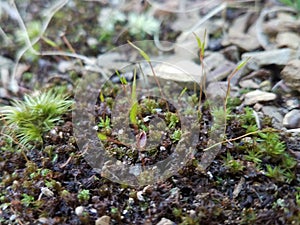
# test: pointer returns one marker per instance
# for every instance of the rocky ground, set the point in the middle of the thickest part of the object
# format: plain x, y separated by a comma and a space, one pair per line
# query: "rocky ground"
241, 163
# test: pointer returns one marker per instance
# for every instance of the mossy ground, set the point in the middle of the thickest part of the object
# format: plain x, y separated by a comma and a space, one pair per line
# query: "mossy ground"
253, 180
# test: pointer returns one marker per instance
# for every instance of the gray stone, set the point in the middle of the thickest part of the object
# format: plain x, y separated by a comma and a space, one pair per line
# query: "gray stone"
176, 74
256, 96
231, 53
165, 221
103, 220
291, 74
183, 71
288, 39
79, 210
218, 67
214, 60
292, 103
248, 84
237, 36
278, 57
273, 112
3, 93
280, 24
246, 42
292, 119
221, 72
216, 90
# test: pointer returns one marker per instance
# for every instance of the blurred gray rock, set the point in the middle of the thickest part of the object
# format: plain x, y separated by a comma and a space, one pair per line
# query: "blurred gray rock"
79, 210
237, 35
165, 221
216, 90
231, 53
291, 74
218, 66
288, 39
248, 84
103, 220
292, 119
184, 71
256, 96
273, 112
278, 57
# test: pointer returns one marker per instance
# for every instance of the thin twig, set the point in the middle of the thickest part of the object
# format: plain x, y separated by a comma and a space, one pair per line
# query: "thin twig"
240, 137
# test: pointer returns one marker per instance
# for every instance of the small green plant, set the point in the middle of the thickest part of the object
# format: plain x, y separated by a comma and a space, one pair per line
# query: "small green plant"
27, 199
275, 172
247, 118
83, 195
233, 165
28, 120
114, 210
271, 145
254, 156
288, 161
104, 123
298, 198
172, 119
176, 136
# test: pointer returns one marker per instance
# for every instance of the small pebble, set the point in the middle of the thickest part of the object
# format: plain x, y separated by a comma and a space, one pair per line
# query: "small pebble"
46, 191
256, 96
291, 75
43, 220
103, 220
248, 84
165, 221
79, 210
140, 196
292, 119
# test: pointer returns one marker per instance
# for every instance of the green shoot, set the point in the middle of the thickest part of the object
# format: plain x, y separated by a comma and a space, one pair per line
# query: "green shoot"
147, 58
104, 123
182, 92
142, 53
233, 73
134, 105
50, 42
122, 78
238, 68
176, 136
201, 46
101, 97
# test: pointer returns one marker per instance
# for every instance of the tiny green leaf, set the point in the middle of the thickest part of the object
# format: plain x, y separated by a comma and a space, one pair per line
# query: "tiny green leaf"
101, 97
122, 78
50, 42
142, 53
134, 106
242, 64
102, 136
183, 92
198, 40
